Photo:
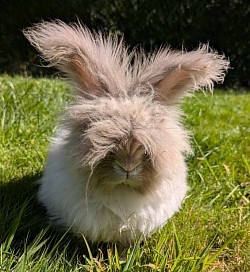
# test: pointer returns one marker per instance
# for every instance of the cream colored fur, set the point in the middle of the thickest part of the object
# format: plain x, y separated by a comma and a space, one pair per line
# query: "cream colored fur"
116, 169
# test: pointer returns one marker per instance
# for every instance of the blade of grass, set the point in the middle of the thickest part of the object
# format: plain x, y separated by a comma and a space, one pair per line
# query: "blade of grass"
217, 254
14, 227
132, 256
205, 160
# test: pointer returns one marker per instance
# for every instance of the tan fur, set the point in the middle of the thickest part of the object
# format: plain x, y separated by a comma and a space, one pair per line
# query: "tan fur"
118, 100
121, 145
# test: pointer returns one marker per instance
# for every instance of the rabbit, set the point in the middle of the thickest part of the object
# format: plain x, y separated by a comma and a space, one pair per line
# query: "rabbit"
116, 168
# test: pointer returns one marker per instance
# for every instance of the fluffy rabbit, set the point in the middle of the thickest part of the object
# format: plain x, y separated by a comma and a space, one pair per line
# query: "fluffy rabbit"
116, 169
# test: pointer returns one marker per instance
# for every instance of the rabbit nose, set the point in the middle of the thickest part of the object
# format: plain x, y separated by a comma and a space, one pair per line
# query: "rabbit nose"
128, 173
126, 169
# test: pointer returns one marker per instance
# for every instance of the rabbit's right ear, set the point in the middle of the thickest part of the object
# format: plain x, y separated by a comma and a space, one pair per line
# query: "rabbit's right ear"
89, 61
174, 74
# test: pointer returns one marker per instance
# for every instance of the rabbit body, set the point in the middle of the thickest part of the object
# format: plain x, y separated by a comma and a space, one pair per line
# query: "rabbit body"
106, 212
113, 215
116, 169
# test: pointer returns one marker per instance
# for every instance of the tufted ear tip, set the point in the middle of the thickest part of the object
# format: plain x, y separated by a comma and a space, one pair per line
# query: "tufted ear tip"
174, 74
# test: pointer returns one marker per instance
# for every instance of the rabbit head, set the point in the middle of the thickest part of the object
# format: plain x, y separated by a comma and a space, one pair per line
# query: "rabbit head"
124, 122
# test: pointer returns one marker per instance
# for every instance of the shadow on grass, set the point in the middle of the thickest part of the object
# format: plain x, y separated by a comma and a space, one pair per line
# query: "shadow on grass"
18, 197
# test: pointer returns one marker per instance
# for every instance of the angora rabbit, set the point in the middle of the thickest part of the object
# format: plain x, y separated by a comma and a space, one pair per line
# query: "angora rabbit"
116, 169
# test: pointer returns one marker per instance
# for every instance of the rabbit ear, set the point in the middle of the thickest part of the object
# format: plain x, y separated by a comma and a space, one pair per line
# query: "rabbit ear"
173, 74
91, 62
79, 70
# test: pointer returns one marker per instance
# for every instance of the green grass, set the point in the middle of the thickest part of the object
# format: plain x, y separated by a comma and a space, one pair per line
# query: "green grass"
210, 233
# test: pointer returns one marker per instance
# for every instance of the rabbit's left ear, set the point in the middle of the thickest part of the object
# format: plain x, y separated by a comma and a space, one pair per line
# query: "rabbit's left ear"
173, 74
93, 63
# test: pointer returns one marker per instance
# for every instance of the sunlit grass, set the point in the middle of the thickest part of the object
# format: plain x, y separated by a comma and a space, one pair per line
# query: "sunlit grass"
210, 233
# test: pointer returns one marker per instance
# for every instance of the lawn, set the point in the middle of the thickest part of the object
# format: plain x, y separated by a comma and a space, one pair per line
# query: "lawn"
210, 233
